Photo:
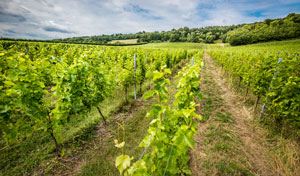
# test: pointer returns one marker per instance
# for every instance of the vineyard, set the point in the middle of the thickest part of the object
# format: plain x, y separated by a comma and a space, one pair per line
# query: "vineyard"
274, 78
71, 109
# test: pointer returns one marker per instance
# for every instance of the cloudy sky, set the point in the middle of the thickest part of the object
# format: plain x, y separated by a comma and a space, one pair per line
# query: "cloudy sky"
48, 19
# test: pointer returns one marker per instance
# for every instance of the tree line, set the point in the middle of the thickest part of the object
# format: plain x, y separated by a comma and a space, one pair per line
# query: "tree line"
268, 30
205, 34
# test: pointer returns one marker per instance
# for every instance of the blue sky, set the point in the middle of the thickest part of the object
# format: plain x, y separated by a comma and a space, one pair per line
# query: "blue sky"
48, 19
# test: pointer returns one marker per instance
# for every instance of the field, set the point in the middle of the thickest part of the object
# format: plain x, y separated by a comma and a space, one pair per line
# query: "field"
71, 109
129, 41
182, 45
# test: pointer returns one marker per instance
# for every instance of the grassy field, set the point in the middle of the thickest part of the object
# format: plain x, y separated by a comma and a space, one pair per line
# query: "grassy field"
183, 45
286, 46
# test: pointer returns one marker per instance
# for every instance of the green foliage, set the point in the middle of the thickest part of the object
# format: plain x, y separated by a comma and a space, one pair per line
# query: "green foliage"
73, 78
183, 34
256, 71
279, 29
172, 129
284, 94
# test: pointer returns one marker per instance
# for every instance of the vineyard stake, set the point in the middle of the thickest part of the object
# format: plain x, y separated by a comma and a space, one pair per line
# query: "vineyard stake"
135, 76
265, 105
26, 50
99, 110
146, 57
192, 61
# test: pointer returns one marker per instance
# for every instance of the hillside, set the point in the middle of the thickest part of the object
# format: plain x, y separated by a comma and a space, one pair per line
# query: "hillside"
279, 29
268, 30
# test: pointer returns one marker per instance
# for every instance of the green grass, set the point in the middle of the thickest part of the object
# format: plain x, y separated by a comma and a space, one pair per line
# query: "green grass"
275, 46
102, 162
220, 148
181, 45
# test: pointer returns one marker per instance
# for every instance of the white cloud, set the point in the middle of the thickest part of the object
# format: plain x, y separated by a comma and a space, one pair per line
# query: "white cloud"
56, 19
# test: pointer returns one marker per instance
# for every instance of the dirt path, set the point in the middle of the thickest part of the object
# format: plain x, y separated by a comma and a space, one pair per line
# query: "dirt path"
229, 141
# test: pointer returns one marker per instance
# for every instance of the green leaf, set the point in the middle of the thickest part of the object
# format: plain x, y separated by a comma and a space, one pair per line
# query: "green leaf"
168, 82
157, 75
138, 169
149, 74
148, 94
168, 71
122, 163
184, 137
198, 116
187, 112
146, 141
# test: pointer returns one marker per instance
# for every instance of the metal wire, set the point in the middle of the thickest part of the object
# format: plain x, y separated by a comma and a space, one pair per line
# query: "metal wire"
168, 160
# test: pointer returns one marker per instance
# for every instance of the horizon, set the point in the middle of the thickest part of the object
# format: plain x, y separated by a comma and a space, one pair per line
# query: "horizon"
52, 19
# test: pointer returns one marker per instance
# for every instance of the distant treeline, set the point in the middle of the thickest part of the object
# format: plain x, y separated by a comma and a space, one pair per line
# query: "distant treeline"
269, 30
185, 34
72, 42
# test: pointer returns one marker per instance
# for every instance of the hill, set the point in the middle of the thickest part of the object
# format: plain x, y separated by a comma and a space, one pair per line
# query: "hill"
268, 30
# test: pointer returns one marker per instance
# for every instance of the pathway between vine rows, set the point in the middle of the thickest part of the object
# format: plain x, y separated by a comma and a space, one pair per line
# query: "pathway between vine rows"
229, 140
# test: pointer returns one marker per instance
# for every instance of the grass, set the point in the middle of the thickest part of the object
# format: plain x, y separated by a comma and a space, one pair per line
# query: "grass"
291, 46
102, 162
23, 157
219, 148
274, 46
181, 45
281, 140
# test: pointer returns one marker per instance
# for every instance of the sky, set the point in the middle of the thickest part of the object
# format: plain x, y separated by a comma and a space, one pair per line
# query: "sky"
50, 19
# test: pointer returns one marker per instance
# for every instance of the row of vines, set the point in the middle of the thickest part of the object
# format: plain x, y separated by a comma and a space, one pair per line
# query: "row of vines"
43, 85
172, 129
274, 78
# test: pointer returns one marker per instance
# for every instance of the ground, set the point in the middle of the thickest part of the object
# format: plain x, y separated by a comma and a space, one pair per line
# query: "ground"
230, 140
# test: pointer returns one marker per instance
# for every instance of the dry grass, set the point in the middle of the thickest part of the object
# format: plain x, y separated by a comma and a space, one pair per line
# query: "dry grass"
128, 41
251, 148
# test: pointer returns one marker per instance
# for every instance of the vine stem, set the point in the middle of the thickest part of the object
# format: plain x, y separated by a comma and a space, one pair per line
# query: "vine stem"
99, 110
53, 137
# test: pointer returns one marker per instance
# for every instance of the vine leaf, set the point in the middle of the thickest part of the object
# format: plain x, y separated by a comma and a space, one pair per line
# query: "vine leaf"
148, 94
123, 162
